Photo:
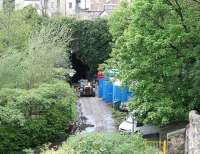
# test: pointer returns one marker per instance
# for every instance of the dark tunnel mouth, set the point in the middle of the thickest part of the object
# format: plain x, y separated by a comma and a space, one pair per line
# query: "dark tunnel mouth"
81, 69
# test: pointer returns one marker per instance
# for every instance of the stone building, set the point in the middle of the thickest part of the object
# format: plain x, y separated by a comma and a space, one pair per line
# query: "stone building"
46, 7
84, 9
98, 8
99, 5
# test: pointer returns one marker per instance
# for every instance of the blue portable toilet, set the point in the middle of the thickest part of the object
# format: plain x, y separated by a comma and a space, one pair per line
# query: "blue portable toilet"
100, 90
116, 91
109, 92
124, 94
104, 84
120, 93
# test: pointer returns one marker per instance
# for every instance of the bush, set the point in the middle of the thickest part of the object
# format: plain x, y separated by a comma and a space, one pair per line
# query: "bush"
119, 116
105, 143
33, 117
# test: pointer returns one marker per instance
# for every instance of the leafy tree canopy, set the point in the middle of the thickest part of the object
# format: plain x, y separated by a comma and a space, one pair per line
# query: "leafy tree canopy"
158, 56
91, 42
36, 105
16, 27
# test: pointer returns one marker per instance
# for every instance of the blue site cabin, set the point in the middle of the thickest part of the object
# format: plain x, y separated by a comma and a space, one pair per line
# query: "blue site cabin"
116, 91
107, 91
124, 94
100, 90
120, 93
111, 91
104, 89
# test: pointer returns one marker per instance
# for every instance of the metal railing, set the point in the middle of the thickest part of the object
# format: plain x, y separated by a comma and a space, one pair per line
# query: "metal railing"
159, 146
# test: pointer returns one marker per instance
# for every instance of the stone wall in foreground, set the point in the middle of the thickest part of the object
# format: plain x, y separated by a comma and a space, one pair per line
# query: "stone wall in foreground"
192, 143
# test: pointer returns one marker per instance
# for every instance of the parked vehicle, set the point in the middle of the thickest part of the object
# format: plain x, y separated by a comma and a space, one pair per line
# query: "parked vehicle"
132, 126
86, 88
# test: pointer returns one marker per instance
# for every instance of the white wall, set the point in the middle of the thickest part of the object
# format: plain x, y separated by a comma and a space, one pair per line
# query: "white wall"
71, 10
1, 4
19, 4
52, 8
84, 4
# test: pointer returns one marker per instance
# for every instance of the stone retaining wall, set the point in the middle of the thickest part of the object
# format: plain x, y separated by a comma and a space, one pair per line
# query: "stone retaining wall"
176, 142
192, 144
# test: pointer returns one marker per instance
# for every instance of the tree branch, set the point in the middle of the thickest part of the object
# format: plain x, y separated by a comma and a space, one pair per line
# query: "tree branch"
179, 12
197, 1
176, 49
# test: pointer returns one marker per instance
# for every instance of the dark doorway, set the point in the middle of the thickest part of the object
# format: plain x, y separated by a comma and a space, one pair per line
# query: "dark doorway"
80, 68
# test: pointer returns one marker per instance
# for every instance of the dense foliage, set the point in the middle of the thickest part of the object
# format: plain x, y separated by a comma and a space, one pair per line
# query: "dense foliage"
34, 64
36, 103
91, 42
157, 54
118, 116
106, 143
16, 28
32, 117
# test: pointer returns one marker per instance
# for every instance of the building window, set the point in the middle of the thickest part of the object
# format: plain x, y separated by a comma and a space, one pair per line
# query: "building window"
52, 4
70, 5
58, 4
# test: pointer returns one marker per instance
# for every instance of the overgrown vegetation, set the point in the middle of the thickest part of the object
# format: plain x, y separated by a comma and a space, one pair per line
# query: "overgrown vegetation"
33, 117
91, 42
106, 143
36, 103
157, 54
119, 116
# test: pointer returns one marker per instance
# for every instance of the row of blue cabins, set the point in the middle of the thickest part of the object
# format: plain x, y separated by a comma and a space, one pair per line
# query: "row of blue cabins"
112, 91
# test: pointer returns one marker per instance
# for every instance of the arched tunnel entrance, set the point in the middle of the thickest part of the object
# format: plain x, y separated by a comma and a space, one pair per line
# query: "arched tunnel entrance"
81, 69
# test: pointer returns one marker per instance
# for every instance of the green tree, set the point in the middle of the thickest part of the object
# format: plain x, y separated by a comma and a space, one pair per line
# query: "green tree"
36, 105
158, 57
43, 58
16, 28
91, 42
8, 5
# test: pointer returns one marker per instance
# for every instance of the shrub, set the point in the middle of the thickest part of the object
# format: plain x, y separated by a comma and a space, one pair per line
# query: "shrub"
35, 116
105, 143
119, 116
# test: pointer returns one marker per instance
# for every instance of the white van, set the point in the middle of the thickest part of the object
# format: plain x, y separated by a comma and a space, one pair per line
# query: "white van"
132, 126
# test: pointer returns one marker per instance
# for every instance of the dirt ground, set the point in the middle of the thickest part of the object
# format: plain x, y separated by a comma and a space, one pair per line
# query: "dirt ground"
97, 113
